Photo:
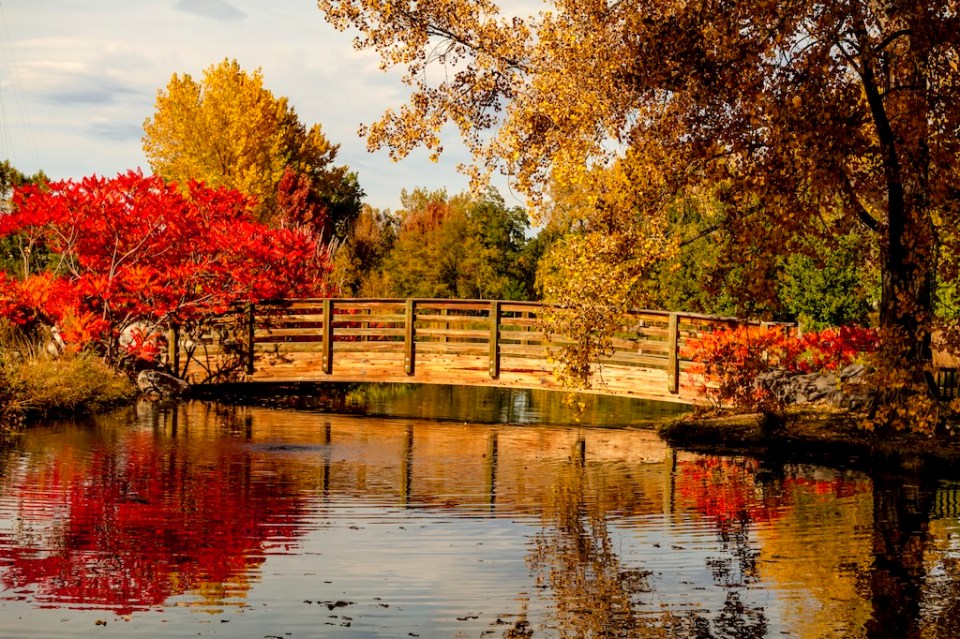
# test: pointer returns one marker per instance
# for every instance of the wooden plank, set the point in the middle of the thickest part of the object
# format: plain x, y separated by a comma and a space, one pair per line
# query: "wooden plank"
342, 334
635, 360
409, 352
465, 348
384, 333
344, 320
494, 339
511, 350
509, 323
431, 333
326, 363
673, 367
443, 320
251, 333
173, 349
521, 307
526, 336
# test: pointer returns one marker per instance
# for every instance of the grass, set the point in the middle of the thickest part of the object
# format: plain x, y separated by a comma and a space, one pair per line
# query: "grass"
35, 383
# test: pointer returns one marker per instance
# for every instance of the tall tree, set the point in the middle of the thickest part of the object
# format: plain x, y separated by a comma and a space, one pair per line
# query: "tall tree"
800, 106
358, 261
229, 130
461, 246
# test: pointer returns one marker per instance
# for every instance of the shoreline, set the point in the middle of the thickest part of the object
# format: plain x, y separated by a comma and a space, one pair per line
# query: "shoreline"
814, 435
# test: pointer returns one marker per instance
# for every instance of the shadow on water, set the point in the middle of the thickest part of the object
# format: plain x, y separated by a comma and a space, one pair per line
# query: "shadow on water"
474, 404
262, 517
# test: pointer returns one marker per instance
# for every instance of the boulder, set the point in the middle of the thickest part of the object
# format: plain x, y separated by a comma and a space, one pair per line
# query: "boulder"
161, 385
845, 389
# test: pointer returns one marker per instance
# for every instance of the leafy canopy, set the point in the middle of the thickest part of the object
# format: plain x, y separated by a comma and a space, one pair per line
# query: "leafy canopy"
439, 246
229, 130
797, 108
137, 250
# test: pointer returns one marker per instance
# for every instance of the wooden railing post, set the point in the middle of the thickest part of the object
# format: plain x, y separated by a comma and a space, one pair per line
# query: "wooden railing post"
173, 349
409, 348
251, 333
326, 357
673, 358
495, 339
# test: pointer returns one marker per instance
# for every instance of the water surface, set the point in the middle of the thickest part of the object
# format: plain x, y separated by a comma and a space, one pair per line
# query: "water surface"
211, 520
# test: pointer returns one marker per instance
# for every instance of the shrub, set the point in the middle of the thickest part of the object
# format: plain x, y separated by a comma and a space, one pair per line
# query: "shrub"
728, 362
34, 382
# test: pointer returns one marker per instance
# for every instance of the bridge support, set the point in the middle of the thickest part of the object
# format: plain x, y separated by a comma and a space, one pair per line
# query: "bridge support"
495, 339
326, 352
673, 359
251, 335
409, 347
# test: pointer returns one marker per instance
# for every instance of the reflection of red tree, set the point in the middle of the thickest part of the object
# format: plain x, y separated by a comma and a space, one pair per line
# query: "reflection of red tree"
728, 490
126, 531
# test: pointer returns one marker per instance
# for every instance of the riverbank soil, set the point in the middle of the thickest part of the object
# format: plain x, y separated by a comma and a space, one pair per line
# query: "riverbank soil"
812, 434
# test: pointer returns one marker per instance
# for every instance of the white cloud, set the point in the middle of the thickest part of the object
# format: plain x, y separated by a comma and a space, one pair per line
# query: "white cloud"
77, 80
217, 9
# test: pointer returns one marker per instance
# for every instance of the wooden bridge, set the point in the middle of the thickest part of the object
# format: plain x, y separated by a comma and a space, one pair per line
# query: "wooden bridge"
467, 342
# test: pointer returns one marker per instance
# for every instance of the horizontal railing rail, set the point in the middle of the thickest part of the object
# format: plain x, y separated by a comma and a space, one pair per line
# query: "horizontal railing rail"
438, 341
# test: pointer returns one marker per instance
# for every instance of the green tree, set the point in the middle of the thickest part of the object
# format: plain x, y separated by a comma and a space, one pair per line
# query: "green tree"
359, 259
462, 246
17, 254
830, 285
229, 130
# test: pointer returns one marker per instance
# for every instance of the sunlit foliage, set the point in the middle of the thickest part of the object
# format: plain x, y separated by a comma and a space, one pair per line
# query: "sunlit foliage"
797, 107
134, 251
440, 246
229, 130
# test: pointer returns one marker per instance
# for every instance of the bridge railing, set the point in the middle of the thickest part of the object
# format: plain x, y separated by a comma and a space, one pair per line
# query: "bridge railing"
438, 340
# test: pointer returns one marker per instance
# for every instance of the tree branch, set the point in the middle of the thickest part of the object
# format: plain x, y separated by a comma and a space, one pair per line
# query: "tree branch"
858, 208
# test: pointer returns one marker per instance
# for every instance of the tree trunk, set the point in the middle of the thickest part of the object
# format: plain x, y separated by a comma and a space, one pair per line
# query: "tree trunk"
906, 307
909, 247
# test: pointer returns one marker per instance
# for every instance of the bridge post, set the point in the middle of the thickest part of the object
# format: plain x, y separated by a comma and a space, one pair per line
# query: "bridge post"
173, 349
673, 359
409, 348
326, 357
495, 339
251, 333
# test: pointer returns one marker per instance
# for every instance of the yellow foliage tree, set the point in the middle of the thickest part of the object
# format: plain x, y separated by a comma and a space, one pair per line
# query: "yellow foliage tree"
229, 130
799, 106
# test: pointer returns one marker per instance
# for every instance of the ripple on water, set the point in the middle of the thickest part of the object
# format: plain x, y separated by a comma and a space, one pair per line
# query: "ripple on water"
259, 522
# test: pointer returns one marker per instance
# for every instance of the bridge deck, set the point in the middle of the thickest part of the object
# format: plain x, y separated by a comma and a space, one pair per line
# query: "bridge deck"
486, 343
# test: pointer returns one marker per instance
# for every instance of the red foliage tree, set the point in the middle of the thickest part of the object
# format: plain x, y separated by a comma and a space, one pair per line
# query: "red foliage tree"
134, 249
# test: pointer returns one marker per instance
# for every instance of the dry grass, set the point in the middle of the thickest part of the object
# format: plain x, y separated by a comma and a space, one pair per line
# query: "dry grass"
34, 382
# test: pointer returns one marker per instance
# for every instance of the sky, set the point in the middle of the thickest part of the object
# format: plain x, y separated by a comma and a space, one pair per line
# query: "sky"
78, 79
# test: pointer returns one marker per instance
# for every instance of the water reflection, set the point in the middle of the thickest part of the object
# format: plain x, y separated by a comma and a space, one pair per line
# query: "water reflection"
122, 519
280, 521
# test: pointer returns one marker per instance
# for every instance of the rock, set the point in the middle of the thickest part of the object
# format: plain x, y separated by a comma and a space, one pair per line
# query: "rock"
853, 373
845, 389
161, 385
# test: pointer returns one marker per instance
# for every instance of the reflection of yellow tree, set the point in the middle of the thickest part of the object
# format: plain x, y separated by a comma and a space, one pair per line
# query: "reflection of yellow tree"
942, 599
596, 595
828, 570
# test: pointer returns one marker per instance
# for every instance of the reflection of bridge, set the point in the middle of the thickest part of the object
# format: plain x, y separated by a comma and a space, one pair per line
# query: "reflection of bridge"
485, 343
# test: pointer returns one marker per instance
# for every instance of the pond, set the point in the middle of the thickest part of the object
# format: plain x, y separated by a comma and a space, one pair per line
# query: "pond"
204, 519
